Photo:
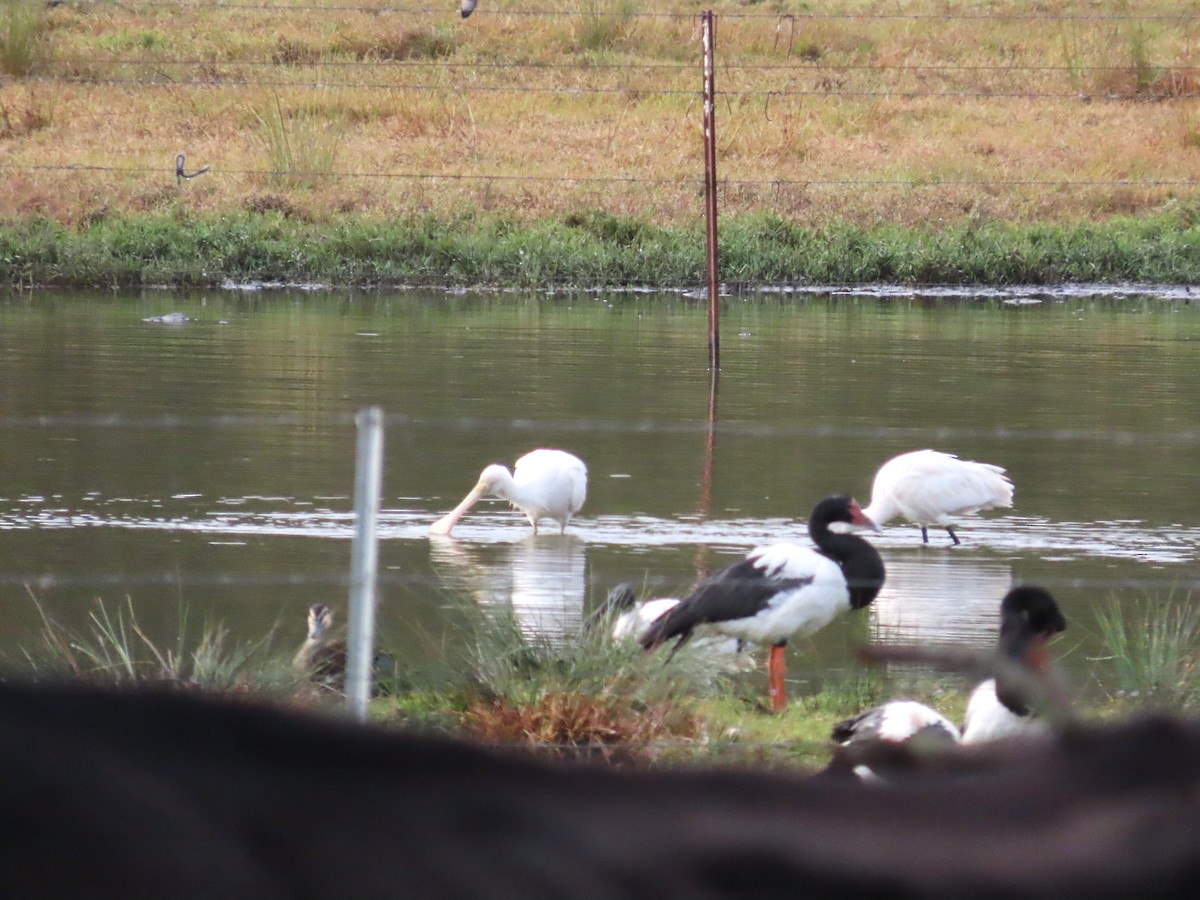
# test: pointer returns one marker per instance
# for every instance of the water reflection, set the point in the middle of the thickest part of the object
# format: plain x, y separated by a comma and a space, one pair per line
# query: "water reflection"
947, 598
542, 578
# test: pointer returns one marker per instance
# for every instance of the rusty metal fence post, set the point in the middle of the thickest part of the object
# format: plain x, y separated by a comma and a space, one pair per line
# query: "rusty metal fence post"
708, 22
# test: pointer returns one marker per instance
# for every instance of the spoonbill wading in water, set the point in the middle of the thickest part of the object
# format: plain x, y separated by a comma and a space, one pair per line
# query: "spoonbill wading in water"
550, 484
928, 487
782, 590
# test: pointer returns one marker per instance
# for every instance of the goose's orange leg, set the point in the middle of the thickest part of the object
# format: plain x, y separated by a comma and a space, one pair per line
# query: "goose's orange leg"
776, 669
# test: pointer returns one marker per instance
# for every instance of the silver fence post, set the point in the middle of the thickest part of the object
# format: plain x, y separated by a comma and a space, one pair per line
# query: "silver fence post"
360, 637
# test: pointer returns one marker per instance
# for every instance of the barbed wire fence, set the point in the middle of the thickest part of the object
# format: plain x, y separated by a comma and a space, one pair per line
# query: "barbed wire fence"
770, 76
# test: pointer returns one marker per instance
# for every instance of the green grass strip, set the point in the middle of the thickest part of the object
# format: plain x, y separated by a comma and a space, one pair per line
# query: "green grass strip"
589, 249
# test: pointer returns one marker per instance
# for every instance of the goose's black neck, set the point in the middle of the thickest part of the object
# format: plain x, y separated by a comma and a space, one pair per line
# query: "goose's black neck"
1027, 614
861, 564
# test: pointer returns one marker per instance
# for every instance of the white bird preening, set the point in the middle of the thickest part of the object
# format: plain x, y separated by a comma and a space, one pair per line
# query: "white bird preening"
550, 484
929, 487
632, 618
782, 590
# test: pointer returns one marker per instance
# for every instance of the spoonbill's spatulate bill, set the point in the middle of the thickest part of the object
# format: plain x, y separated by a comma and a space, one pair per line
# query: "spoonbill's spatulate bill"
929, 488
782, 590
550, 484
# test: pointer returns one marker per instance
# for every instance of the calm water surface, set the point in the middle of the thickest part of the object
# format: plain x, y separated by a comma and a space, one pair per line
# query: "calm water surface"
210, 464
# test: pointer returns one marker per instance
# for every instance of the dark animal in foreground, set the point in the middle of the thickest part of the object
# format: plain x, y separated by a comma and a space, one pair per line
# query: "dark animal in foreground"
110, 795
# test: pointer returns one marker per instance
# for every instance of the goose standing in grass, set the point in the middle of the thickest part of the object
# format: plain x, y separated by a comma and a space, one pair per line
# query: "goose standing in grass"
1001, 706
550, 484
321, 656
929, 488
782, 590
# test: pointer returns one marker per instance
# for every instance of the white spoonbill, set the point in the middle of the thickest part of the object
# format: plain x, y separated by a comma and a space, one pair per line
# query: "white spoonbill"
928, 487
1000, 706
549, 484
782, 590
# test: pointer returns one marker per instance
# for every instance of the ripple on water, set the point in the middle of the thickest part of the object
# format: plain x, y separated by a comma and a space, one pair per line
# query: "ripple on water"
1050, 540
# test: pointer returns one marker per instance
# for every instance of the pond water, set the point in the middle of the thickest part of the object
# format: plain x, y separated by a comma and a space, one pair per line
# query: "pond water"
210, 464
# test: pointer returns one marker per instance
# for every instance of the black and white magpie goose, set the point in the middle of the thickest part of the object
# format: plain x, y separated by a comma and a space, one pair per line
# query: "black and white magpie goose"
1000, 706
782, 590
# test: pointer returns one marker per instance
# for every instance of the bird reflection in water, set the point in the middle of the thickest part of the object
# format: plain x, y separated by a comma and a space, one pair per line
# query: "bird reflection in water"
542, 578
943, 600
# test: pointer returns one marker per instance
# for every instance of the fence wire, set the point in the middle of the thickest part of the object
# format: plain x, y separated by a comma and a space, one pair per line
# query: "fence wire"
607, 86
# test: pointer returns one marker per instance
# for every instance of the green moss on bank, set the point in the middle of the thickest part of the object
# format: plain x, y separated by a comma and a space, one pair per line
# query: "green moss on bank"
592, 249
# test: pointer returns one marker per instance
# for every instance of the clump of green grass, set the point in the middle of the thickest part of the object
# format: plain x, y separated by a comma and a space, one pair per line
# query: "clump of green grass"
1112, 59
115, 650
582, 692
602, 24
1153, 646
24, 37
302, 148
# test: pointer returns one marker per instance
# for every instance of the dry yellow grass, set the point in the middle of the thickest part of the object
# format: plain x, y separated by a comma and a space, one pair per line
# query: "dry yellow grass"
915, 119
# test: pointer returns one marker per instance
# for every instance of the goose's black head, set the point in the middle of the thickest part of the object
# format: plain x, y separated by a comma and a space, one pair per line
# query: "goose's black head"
838, 508
620, 598
1026, 612
1029, 617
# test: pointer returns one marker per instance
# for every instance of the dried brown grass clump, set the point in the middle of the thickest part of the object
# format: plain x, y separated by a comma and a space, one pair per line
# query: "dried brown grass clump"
20, 119
574, 726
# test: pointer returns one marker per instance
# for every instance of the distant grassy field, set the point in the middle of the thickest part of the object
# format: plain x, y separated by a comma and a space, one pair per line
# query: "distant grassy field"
848, 117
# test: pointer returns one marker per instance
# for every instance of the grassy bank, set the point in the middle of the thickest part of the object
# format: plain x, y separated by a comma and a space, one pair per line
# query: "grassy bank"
591, 249
1017, 143
592, 697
